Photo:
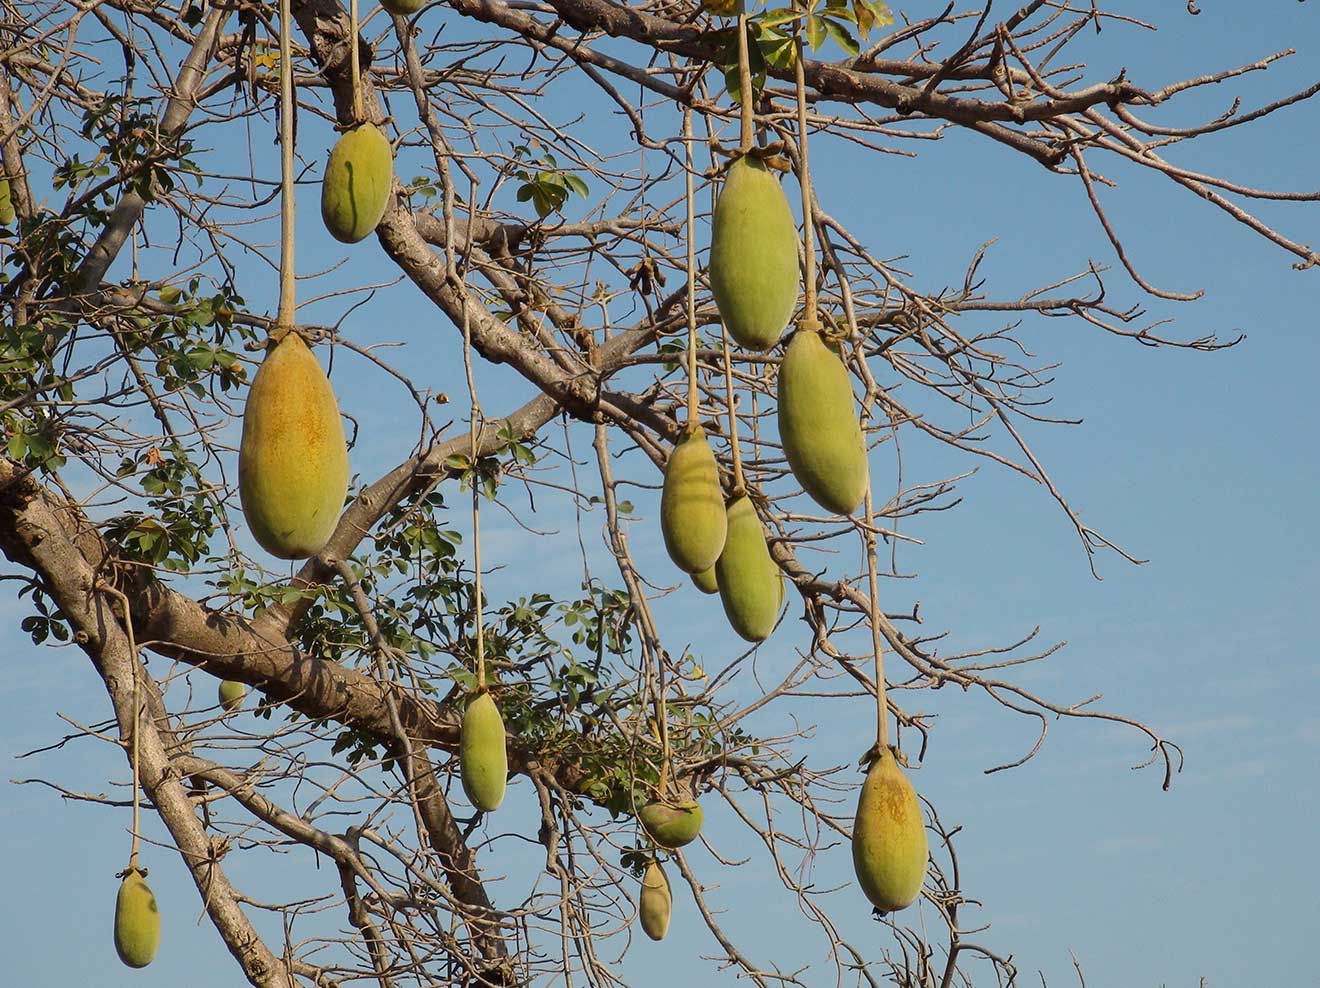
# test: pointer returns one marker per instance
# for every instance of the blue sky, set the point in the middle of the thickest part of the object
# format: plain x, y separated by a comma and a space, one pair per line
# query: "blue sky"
1203, 464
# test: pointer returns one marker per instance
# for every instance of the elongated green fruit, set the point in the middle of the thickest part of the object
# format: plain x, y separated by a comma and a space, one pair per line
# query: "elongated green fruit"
656, 902
754, 255
889, 837
748, 578
818, 424
356, 186
706, 581
672, 825
292, 462
692, 516
6, 203
483, 761
137, 921
403, 7
231, 694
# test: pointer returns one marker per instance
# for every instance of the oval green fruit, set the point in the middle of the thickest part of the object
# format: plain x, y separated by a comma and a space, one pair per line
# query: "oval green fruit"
754, 255
749, 581
356, 187
292, 461
6, 203
403, 8
483, 761
692, 517
672, 825
656, 902
818, 424
889, 837
231, 693
706, 581
137, 921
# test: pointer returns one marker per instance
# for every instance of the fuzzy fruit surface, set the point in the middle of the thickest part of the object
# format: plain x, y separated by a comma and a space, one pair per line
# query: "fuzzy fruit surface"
403, 8
483, 762
692, 517
231, 694
754, 255
292, 462
672, 825
656, 902
6, 203
137, 922
818, 424
356, 186
889, 837
706, 581
748, 578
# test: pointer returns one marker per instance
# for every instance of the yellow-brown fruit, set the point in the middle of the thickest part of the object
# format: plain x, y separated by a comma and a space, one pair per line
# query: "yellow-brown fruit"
292, 462
748, 578
889, 837
818, 424
483, 762
403, 8
356, 186
672, 825
137, 921
692, 516
706, 581
6, 203
656, 902
231, 694
754, 255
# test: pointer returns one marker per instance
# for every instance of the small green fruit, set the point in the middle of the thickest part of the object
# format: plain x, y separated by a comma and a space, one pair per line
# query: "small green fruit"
692, 517
672, 825
749, 581
137, 921
6, 203
889, 837
705, 581
483, 761
357, 183
403, 8
231, 695
656, 902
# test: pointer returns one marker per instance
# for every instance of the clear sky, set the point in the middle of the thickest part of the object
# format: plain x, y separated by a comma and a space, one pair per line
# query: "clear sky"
1204, 464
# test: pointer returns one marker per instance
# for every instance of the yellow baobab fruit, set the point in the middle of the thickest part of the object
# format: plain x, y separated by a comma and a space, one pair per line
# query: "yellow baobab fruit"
753, 255
705, 581
672, 825
748, 578
403, 8
483, 762
357, 182
6, 203
889, 837
292, 462
656, 902
137, 921
818, 424
692, 516
231, 694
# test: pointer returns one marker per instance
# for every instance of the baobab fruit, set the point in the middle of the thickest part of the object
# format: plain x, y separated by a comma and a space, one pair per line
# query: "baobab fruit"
6, 203
753, 255
483, 762
357, 182
656, 902
818, 424
672, 825
404, 8
889, 837
137, 921
705, 581
692, 516
748, 578
292, 461
232, 693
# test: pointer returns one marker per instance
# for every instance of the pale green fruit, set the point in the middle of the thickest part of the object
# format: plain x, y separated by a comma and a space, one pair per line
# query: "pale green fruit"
292, 462
754, 255
672, 825
137, 921
656, 902
749, 581
705, 581
231, 694
357, 182
818, 424
483, 761
6, 203
403, 8
692, 516
889, 837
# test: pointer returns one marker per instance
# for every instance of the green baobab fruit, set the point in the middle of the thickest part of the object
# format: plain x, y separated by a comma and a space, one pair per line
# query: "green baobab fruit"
403, 8
692, 516
6, 203
483, 762
656, 903
292, 462
818, 424
705, 581
137, 921
672, 825
356, 186
753, 255
748, 578
889, 837
231, 694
